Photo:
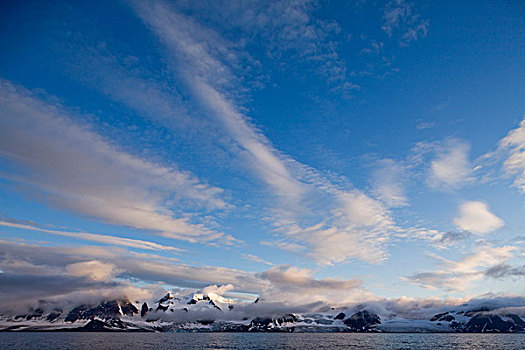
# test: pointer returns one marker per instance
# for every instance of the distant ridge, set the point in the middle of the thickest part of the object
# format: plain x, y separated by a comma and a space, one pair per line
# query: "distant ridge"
209, 312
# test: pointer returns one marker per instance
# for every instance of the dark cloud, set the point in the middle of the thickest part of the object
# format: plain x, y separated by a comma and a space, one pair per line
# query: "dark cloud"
19, 292
453, 237
34, 273
503, 271
283, 283
19, 287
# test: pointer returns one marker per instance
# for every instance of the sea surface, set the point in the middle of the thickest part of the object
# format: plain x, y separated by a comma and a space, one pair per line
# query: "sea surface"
95, 341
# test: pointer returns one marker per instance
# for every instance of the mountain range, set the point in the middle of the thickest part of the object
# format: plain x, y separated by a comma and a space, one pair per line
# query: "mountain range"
210, 312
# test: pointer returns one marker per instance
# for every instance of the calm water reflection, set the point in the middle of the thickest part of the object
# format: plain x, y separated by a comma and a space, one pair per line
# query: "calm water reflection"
95, 341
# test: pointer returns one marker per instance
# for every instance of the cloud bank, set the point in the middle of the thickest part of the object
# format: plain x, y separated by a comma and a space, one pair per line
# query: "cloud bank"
75, 168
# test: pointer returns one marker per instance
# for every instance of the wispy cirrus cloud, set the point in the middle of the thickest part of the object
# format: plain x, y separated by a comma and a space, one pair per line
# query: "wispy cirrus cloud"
257, 259
75, 168
290, 33
359, 228
193, 48
285, 245
459, 275
123, 79
506, 161
402, 15
95, 237
513, 147
200, 56
437, 238
389, 183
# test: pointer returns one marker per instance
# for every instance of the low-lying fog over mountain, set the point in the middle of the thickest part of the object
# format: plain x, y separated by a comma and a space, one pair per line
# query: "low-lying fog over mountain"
209, 311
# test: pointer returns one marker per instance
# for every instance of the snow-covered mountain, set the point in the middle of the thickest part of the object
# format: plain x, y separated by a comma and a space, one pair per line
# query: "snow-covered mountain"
213, 312
198, 301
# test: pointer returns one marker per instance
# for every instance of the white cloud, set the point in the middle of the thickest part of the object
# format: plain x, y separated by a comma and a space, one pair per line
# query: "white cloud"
90, 277
460, 275
445, 240
75, 168
295, 286
284, 245
356, 226
337, 245
394, 13
281, 284
257, 259
359, 210
144, 267
451, 167
439, 239
476, 217
94, 270
416, 32
191, 46
289, 31
513, 145
484, 256
94, 237
360, 227
425, 125
351, 225
399, 14
124, 79
128, 82
388, 183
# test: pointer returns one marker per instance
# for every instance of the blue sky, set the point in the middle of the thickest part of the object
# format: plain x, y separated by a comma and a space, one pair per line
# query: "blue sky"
348, 150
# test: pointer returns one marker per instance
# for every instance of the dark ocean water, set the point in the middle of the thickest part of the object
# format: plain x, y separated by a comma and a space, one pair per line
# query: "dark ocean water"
94, 341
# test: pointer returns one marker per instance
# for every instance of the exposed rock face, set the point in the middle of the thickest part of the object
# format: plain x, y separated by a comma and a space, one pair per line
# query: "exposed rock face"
517, 320
340, 316
97, 326
201, 313
491, 323
128, 308
260, 323
438, 316
471, 313
35, 314
480, 320
444, 317
165, 298
53, 316
289, 318
447, 318
162, 307
106, 310
144, 310
362, 321
164, 302
277, 324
